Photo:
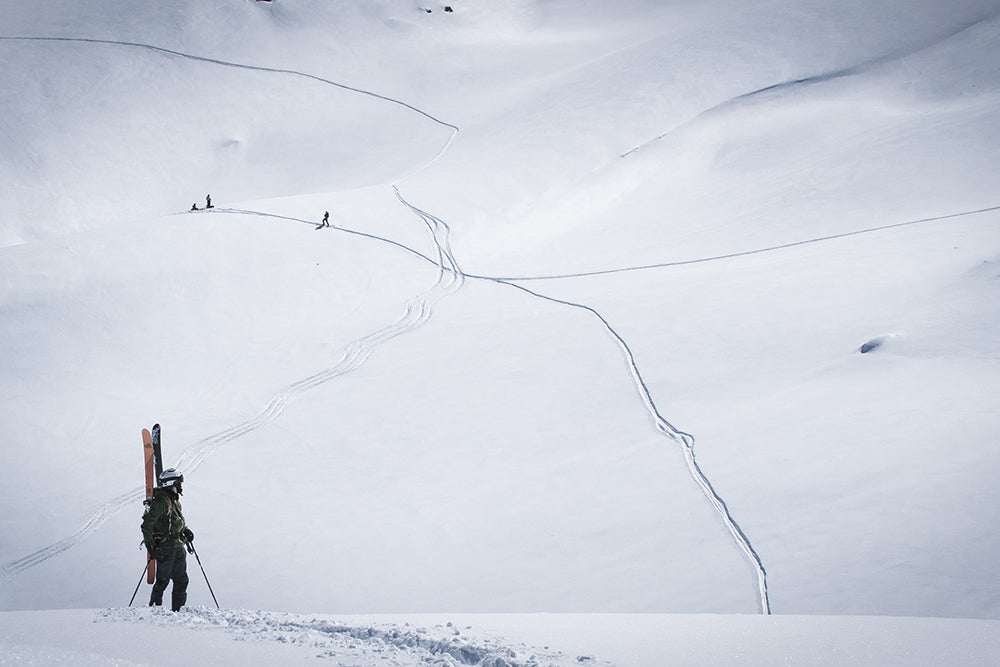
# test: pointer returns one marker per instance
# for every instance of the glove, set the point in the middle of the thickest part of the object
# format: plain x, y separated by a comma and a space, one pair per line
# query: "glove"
187, 535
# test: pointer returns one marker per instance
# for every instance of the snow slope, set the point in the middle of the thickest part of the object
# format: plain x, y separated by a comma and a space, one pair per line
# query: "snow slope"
585, 336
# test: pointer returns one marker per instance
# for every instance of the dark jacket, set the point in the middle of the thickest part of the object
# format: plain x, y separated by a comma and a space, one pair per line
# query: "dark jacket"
163, 523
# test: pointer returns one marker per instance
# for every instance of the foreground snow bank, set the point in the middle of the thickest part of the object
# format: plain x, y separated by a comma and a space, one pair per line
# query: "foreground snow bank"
210, 637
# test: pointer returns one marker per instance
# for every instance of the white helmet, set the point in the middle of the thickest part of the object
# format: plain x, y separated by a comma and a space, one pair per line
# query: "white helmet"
170, 477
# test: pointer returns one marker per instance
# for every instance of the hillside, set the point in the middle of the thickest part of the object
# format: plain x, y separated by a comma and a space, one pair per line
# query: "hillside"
585, 336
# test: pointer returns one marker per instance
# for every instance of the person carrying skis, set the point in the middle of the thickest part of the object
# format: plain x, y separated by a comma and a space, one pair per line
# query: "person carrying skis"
165, 534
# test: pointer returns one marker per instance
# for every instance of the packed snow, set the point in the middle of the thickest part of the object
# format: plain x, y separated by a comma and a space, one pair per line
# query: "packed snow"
644, 332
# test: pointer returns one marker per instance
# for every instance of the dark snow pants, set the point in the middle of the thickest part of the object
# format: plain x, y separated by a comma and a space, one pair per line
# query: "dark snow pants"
171, 564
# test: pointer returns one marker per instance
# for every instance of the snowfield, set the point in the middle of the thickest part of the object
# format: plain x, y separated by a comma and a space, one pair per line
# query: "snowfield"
645, 333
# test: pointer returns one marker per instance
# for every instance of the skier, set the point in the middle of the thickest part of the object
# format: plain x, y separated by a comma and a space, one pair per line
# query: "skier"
165, 534
326, 219
208, 201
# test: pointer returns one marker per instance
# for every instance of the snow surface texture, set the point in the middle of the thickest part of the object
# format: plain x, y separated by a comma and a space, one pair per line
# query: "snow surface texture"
233, 636
367, 644
672, 307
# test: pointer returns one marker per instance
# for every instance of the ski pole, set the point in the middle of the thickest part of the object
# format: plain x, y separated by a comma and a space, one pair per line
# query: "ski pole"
141, 577
191, 549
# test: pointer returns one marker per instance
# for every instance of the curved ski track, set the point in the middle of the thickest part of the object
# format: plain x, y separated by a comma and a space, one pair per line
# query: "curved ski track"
686, 440
418, 311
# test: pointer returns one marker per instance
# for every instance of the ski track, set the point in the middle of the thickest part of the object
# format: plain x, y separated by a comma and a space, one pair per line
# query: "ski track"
686, 440
744, 253
417, 312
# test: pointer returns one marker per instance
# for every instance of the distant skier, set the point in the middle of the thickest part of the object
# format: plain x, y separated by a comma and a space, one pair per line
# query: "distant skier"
208, 201
326, 219
194, 206
165, 534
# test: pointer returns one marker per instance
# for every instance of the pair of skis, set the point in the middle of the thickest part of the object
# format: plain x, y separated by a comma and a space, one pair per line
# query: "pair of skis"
154, 466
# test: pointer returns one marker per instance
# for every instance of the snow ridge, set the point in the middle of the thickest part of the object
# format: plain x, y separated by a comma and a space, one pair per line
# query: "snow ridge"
824, 77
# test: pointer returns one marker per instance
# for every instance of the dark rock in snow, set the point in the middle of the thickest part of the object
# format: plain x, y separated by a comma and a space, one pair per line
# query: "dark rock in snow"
871, 345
